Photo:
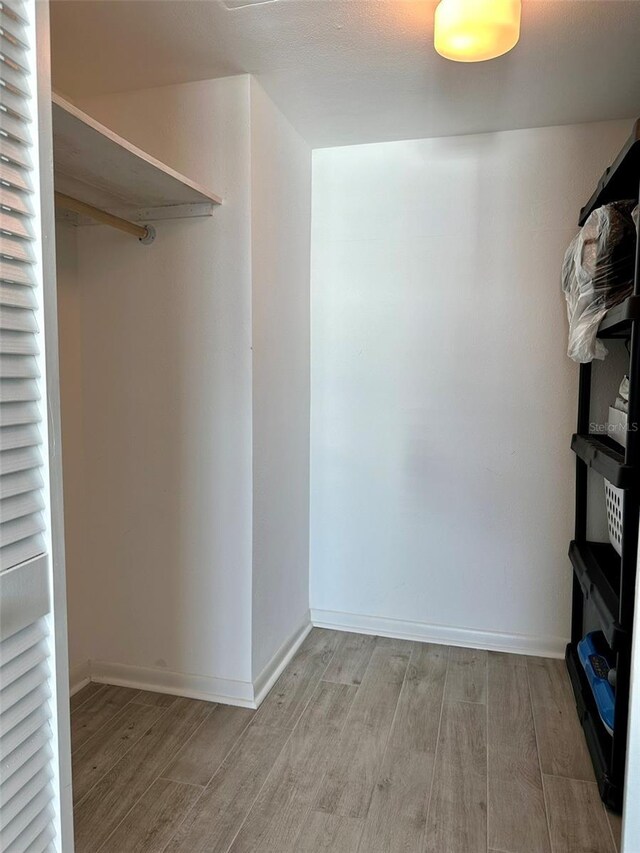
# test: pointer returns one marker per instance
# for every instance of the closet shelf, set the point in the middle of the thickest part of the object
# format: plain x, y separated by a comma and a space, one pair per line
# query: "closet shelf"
618, 321
606, 457
599, 741
597, 568
621, 179
95, 165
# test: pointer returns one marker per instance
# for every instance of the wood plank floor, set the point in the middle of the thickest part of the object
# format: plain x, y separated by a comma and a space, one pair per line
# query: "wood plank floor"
364, 745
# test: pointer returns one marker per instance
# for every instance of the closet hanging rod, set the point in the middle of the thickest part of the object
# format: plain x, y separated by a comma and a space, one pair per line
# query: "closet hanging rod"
145, 233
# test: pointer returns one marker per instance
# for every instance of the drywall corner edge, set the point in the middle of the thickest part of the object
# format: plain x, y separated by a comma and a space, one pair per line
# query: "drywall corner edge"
518, 644
272, 671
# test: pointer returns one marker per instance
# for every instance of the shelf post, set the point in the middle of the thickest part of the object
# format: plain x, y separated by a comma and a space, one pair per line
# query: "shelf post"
630, 523
582, 475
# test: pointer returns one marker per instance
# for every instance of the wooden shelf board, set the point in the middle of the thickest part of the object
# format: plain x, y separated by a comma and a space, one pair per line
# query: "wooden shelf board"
95, 165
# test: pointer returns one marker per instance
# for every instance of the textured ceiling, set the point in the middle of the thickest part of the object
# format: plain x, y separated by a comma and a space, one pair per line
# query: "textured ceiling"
351, 71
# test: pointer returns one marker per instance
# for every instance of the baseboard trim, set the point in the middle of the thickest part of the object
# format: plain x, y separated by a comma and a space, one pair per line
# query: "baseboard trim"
244, 694
272, 671
79, 677
520, 644
223, 690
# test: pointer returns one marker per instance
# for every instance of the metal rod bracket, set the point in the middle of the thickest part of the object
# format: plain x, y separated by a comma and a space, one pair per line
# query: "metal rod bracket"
149, 237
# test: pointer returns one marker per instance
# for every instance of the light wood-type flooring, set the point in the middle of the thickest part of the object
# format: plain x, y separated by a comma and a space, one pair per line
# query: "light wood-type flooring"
364, 745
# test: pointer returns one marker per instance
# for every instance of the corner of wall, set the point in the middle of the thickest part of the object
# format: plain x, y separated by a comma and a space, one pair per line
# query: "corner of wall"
280, 258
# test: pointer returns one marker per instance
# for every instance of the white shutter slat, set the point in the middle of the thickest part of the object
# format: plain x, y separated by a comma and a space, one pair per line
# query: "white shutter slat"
15, 223
27, 755
17, 644
21, 528
14, 31
11, 784
13, 437
14, 127
17, 273
12, 100
18, 343
40, 826
22, 730
44, 842
13, 111
18, 367
11, 59
34, 744
18, 460
17, 320
12, 44
23, 549
14, 295
12, 18
15, 122
20, 552
19, 390
10, 97
20, 482
22, 697
13, 78
10, 809
14, 414
14, 10
32, 819
17, 153
17, 249
15, 202
22, 663
13, 174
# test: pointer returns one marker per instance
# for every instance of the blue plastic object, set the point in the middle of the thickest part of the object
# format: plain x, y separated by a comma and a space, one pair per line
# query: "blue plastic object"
597, 669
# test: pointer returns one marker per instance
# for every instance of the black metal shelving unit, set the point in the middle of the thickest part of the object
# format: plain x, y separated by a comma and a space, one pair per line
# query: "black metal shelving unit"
601, 577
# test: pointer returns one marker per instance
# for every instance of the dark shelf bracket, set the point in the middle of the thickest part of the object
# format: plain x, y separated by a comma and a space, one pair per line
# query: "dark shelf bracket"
597, 568
606, 457
618, 321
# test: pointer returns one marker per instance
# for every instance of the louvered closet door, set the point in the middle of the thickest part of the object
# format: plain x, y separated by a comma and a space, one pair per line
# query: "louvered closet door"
30, 746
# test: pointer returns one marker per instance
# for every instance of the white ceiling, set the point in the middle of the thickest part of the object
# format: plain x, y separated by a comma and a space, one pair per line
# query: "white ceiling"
351, 71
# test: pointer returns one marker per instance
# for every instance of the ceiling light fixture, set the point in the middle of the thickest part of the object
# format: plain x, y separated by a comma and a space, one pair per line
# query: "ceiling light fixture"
476, 30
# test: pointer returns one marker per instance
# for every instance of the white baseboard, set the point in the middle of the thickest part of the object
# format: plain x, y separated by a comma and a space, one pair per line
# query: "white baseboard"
269, 675
244, 694
79, 676
520, 644
223, 690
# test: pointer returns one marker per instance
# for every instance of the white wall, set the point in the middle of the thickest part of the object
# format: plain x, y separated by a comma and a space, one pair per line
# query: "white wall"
280, 246
186, 372
167, 405
70, 356
442, 398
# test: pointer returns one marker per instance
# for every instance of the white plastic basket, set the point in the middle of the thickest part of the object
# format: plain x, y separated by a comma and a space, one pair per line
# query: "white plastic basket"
615, 502
617, 426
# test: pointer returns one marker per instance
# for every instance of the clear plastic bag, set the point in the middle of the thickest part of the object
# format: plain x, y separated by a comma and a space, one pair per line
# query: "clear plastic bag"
597, 274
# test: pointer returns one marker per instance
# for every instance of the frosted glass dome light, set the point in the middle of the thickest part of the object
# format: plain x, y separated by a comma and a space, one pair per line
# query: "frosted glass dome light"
476, 30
